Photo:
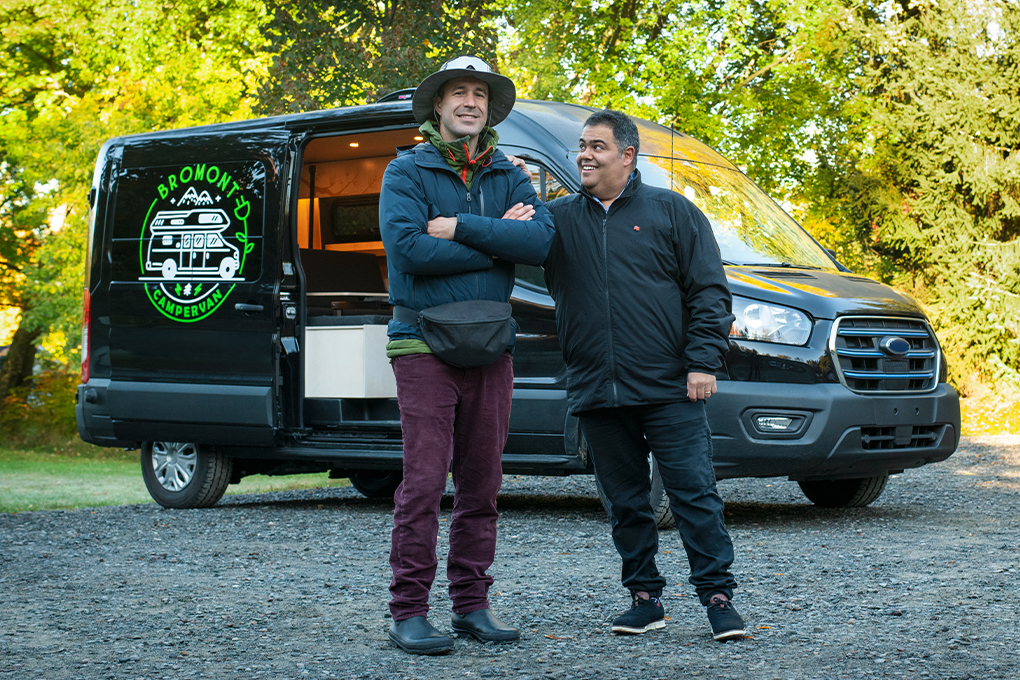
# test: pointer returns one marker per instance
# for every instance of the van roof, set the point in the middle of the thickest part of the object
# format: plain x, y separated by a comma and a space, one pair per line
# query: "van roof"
547, 126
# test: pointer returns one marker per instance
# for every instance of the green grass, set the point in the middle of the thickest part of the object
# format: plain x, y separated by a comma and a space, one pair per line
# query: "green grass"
79, 476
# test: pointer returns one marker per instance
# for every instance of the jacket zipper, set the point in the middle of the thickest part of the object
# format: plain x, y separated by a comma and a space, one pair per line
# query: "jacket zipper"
609, 313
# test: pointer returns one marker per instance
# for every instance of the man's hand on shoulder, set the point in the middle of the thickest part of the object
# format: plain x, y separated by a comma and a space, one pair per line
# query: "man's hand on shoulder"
443, 227
518, 162
700, 385
520, 212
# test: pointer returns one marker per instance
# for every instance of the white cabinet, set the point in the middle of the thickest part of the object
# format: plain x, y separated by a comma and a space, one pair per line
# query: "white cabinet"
347, 362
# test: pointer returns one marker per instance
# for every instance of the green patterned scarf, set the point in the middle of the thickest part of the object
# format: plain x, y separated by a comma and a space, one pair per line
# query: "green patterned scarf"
456, 152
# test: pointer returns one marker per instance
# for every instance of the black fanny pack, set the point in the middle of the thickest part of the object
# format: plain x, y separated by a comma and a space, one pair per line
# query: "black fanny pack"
464, 334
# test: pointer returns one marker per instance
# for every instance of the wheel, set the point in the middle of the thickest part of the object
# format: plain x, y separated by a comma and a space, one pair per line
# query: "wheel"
227, 268
845, 493
658, 498
184, 475
377, 483
169, 269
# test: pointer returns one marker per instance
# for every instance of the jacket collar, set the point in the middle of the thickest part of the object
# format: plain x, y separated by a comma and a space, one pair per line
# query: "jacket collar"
633, 184
428, 156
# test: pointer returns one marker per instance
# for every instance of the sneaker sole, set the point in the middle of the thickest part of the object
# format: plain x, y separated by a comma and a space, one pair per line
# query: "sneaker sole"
627, 630
730, 635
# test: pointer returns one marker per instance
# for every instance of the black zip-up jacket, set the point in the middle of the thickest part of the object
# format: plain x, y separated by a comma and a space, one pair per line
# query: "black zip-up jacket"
641, 296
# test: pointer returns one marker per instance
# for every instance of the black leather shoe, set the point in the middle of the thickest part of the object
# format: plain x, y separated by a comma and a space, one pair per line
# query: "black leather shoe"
417, 636
484, 626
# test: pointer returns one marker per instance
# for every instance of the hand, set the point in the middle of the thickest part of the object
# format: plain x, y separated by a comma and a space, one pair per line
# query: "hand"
520, 212
443, 227
518, 162
700, 386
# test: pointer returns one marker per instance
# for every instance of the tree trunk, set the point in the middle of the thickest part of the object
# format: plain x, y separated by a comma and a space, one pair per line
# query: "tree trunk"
20, 360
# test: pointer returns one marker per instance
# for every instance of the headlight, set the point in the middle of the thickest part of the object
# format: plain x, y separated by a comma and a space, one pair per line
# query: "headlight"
769, 323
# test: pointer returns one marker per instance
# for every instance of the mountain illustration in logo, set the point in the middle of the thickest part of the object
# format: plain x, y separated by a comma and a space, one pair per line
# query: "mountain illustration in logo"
192, 197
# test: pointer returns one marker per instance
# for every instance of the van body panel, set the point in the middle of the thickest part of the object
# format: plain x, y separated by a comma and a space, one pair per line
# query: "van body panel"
191, 403
188, 303
823, 295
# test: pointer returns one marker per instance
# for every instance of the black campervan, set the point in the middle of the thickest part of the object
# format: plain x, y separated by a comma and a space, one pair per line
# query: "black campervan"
236, 302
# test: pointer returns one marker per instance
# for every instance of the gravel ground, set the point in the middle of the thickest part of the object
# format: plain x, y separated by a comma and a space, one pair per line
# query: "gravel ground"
921, 584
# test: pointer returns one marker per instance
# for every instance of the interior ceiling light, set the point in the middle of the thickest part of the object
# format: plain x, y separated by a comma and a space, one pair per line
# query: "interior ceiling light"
354, 144
419, 139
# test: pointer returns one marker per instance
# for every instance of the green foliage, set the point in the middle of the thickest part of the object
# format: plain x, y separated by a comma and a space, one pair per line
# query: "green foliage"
328, 53
756, 79
936, 186
41, 412
72, 75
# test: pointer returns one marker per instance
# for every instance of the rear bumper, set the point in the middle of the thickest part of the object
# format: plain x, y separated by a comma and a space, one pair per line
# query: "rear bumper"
124, 413
845, 435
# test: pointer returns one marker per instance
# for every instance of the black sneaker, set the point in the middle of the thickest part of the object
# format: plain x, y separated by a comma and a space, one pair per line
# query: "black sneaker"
643, 616
725, 620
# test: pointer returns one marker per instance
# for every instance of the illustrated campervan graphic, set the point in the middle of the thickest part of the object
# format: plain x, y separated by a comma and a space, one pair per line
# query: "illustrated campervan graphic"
191, 242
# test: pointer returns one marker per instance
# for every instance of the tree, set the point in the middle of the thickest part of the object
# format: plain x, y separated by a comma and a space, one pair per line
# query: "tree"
327, 53
73, 74
753, 78
933, 182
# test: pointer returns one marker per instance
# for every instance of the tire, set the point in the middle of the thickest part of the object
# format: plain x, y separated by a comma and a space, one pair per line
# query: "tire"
377, 483
658, 499
845, 493
227, 267
185, 475
169, 269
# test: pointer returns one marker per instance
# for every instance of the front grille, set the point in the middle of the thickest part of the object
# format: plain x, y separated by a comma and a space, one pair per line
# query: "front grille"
863, 366
901, 437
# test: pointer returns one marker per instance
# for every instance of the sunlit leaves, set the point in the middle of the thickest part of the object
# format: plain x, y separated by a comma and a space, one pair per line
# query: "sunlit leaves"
328, 53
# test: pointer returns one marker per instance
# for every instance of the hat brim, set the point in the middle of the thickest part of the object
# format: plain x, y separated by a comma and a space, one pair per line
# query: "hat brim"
502, 93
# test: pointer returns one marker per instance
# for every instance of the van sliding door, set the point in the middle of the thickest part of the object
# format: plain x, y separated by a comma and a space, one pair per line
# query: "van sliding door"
193, 336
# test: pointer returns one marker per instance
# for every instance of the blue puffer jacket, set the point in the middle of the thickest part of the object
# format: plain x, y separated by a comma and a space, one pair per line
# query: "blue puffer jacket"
478, 264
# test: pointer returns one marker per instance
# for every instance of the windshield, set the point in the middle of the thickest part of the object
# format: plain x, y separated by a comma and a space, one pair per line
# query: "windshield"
750, 228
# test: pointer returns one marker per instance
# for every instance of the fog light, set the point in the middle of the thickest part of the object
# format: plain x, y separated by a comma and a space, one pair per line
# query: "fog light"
774, 423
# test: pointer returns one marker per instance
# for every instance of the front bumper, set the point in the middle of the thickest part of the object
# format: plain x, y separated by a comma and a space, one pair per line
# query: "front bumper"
844, 434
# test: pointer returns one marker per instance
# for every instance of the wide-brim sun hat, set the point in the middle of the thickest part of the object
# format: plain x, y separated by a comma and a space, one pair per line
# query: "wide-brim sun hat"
502, 93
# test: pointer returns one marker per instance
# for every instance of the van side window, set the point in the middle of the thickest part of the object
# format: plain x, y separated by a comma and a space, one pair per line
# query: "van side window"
546, 185
548, 188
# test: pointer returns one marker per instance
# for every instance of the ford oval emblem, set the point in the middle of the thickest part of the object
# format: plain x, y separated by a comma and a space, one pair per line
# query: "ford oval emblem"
894, 346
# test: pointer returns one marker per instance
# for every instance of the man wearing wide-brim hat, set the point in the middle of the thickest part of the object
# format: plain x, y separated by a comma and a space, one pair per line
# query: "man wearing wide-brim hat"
455, 215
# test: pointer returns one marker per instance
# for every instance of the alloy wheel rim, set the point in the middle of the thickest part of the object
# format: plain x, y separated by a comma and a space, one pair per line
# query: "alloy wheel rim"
174, 464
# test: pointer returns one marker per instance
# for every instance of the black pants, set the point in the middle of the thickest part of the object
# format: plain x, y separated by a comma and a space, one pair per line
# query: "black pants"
677, 434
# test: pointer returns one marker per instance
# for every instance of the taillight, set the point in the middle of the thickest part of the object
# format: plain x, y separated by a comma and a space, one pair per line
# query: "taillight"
86, 323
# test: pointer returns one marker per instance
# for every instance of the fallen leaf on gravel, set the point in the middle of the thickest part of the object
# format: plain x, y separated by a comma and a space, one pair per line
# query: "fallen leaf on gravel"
557, 637
763, 628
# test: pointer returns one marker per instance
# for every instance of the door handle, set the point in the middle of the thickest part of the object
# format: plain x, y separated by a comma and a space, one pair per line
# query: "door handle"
242, 307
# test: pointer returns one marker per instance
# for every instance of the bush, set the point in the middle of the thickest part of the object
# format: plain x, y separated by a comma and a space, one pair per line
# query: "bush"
41, 412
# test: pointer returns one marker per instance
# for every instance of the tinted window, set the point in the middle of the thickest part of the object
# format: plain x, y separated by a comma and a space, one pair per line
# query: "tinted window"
547, 186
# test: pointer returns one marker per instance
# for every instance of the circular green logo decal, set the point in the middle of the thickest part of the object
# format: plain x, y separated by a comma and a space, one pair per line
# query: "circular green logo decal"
195, 241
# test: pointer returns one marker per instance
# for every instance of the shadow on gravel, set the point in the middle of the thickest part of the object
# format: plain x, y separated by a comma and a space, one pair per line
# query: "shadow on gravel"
771, 514
358, 502
512, 502
542, 503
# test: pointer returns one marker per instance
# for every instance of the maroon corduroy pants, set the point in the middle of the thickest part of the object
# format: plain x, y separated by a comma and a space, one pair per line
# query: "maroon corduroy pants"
453, 419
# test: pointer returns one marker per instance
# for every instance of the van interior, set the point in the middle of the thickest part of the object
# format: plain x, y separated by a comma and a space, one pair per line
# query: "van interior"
342, 256
338, 222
